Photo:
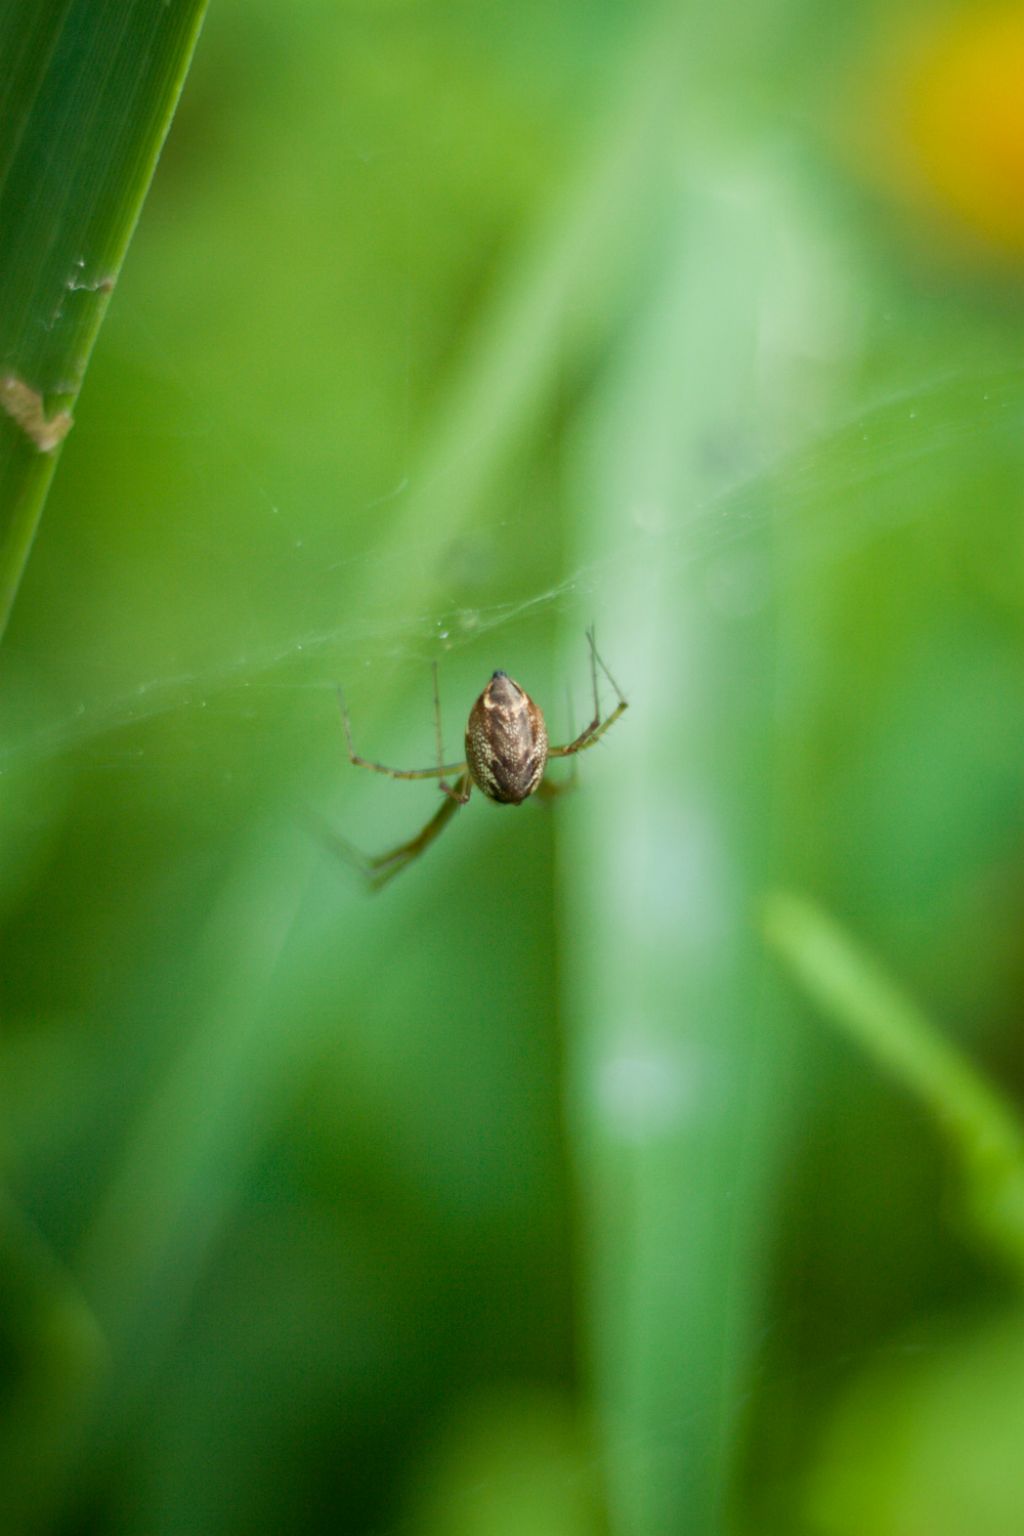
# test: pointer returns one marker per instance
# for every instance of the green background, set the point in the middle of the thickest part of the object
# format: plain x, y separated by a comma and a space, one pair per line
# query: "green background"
526, 1196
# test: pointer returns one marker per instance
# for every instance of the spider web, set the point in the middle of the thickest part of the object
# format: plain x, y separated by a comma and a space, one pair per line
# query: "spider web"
889, 438
671, 534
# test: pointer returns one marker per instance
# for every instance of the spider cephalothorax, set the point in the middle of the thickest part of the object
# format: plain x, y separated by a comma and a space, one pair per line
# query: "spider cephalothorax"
507, 751
506, 742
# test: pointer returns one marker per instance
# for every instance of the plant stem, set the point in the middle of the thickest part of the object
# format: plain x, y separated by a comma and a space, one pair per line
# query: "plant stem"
856, 994
86, 97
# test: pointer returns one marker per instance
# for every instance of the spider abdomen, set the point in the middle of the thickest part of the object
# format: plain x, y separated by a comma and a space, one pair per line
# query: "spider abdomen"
506, 742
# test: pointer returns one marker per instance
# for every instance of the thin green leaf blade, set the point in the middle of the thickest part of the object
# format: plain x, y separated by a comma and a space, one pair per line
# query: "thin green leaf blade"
89, 93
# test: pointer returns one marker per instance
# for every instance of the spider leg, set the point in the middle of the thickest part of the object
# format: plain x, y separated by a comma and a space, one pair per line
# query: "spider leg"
554, 789
440, 771
574, 767
455, 794
378, 870
597, 727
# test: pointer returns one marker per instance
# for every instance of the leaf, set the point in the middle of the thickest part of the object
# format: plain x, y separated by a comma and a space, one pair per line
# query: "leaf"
856, 994
88, 91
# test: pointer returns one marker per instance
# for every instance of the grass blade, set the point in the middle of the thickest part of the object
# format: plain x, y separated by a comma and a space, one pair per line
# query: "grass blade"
856, 994
88, 94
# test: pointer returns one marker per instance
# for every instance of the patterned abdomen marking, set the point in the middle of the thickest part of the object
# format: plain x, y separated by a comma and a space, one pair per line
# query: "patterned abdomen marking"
506, 742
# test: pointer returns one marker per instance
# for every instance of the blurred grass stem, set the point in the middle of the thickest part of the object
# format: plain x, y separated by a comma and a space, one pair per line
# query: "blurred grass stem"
855, 993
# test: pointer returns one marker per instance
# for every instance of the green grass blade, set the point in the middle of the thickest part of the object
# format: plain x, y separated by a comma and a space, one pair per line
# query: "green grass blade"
89, 88
855, 993
677, 1101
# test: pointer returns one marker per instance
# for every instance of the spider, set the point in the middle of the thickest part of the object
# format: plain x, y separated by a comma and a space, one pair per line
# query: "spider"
507, 751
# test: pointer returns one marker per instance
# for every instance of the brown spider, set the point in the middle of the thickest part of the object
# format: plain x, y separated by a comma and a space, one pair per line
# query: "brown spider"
507, 751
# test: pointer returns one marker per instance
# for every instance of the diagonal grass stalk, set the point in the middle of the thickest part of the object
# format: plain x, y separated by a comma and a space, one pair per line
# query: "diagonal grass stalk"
854, 992
86, 99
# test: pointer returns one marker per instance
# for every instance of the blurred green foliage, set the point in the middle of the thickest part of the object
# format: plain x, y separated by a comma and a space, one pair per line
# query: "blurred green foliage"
529, 1196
